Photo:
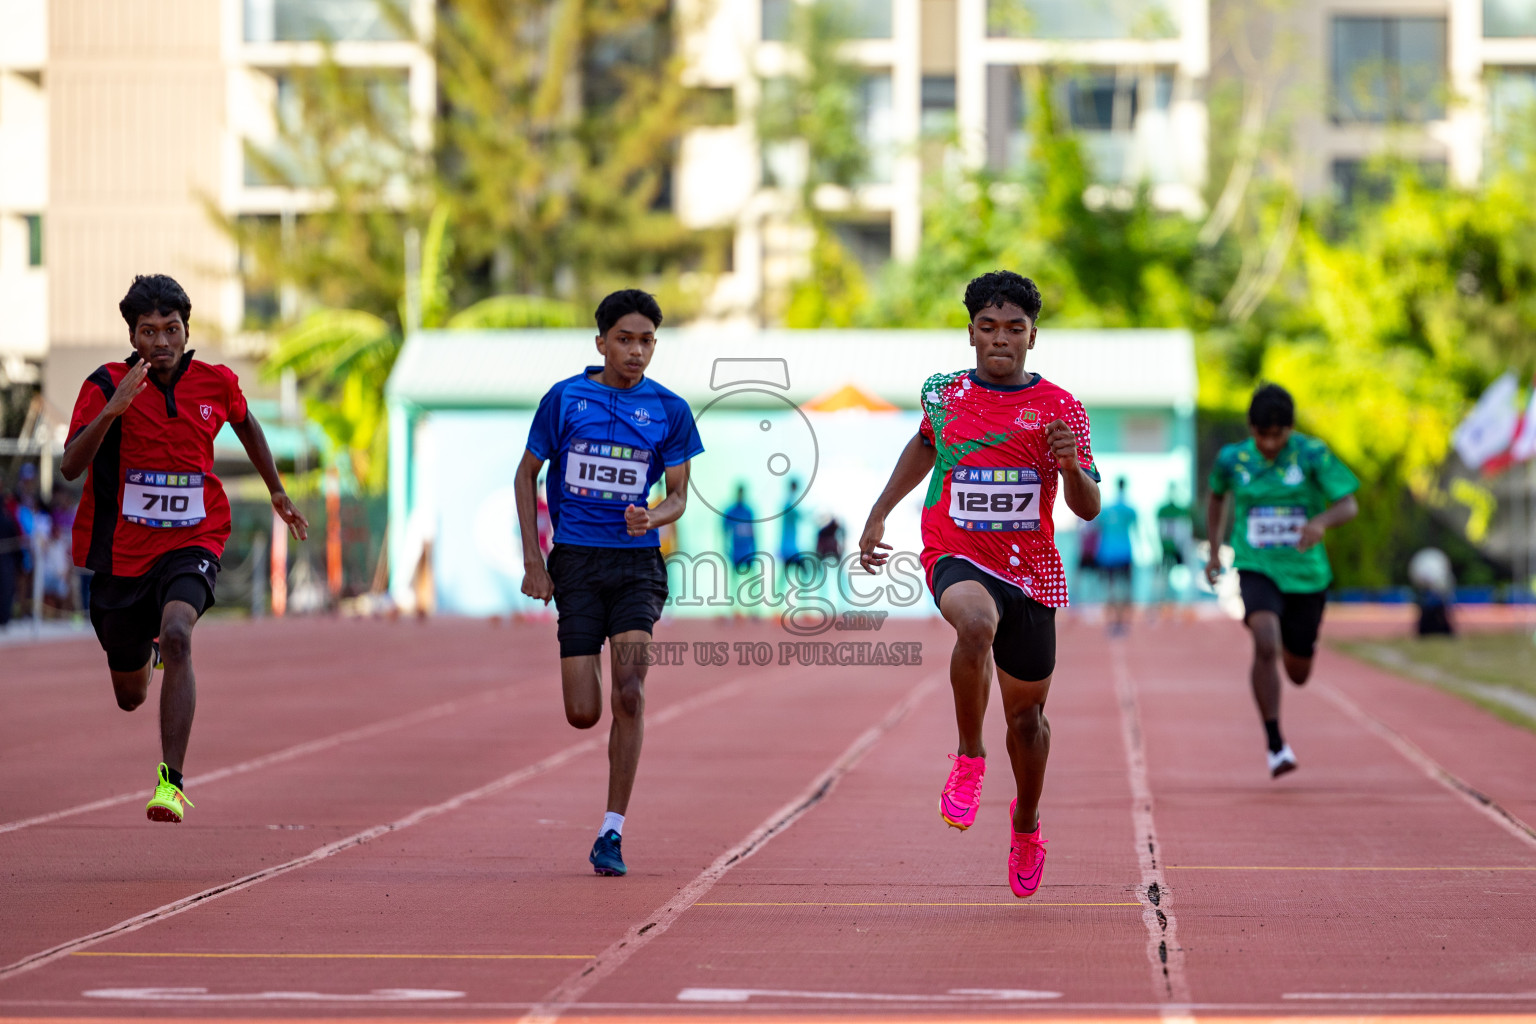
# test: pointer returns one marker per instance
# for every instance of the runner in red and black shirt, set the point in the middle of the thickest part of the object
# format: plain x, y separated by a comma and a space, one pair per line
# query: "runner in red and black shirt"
997, 441
153, 519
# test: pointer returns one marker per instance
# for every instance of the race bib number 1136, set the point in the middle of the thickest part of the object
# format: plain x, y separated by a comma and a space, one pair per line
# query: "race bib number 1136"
611, 472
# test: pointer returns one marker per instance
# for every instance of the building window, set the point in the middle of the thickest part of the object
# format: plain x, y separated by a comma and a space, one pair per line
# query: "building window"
1082, 19
1508, 18
868, 242
877, 127
1511, 112
938, 116
861, 19
285, 21
34, 239
1370, 181
1388, 69
300, 164
776, 16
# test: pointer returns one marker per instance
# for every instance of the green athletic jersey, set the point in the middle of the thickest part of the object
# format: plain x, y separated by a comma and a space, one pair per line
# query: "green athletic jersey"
1273, 502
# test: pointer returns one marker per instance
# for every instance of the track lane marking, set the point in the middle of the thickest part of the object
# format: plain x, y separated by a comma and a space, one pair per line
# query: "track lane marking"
1413, 754
348, 956
1305, 867
1024, 904
1164, 954
277, 757
566, 995
507, 781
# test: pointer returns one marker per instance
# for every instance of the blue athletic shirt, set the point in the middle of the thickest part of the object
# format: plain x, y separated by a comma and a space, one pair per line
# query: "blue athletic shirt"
606, 447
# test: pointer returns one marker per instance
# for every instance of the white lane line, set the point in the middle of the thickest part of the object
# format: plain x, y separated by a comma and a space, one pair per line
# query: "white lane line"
569, 993
1464, 791
277, 757
202, 995
1163, 951
1428, 997
186, 903
955, 995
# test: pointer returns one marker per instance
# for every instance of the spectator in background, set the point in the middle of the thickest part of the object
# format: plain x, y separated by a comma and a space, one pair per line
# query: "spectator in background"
11, 543
28, 508
740, 531
829, 540
789, 522
1175, 534
1117, 521
58, 566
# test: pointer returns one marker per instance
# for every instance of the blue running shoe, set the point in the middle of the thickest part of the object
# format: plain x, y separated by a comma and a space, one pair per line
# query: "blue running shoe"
606, 857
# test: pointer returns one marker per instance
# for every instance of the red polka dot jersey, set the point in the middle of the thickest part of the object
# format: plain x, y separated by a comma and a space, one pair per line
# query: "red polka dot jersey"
994, 480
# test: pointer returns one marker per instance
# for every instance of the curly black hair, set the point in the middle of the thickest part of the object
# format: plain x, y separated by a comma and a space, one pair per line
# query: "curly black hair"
154, 293
622, 303
1272, 406
999, 287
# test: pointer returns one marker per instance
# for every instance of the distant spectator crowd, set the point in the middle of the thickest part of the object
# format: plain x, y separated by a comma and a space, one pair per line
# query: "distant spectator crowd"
35, 548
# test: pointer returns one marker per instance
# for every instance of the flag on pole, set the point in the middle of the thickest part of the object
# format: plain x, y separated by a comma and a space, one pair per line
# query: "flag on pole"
1522, 444
1490, 426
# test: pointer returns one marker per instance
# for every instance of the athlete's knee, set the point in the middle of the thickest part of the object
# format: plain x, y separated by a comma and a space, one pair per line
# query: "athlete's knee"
176, 641
1266, 643
1299, 669
583, 718
628, 697
127, 699
975, 631
1029, 723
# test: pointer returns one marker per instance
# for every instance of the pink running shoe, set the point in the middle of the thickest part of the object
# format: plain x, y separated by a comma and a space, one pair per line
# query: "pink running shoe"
962, 793
1026, 859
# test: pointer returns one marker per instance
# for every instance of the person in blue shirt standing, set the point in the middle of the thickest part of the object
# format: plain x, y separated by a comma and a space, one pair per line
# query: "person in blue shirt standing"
1117, 521
740, 530
609, 433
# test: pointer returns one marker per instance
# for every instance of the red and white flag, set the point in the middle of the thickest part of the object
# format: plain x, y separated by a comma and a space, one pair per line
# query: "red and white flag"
1522, 443
1490, 426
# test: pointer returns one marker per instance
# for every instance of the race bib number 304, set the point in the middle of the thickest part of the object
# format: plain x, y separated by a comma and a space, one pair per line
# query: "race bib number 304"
1000, 498
608, 472
163, 500
1275, 526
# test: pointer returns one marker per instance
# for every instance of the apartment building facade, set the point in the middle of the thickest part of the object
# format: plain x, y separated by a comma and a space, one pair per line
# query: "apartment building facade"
1435, 82
946, 83
123, 128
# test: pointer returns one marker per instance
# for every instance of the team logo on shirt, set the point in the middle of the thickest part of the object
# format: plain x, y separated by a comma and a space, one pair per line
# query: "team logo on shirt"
642, 415
206, 410
1028, 419
1294, 476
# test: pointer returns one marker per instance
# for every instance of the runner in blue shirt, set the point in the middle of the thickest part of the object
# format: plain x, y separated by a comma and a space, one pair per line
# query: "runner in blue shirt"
609, 434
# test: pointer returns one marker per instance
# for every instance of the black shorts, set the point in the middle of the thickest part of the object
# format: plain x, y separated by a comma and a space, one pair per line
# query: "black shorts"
1301, 615
1025, 644
126, 610
602, 592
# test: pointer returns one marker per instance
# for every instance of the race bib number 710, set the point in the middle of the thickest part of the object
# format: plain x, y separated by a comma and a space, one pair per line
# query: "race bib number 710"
1001, 498
163, 500
610, 472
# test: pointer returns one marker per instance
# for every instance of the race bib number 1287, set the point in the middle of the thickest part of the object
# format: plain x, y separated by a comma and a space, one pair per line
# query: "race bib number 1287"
611, 472
995, 498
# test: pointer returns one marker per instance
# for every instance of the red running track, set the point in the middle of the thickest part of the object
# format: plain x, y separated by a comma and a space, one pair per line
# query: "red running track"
392, 823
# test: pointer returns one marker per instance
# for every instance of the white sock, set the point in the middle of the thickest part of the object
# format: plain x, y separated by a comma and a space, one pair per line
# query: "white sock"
612, 821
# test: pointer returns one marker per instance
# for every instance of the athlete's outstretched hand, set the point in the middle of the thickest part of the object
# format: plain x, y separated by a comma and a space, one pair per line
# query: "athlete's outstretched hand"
872, 550
1063, 444
536, 581
1311, 535
1213, 569
284, 507
133, 382
637, 520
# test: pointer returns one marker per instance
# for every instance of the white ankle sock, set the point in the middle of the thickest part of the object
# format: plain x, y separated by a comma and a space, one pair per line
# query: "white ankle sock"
612, 821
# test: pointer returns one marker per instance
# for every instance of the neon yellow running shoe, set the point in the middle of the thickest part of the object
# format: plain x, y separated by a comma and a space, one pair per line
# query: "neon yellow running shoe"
165, 805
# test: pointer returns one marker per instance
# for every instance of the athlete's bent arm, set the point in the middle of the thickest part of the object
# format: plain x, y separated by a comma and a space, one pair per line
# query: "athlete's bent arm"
1216, 530
1339, 513
1080, 489
536, 581
82, 448
640, 520
915, 463
255, 441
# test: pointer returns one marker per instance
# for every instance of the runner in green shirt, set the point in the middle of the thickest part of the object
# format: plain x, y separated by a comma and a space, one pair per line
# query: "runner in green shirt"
1287, 490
